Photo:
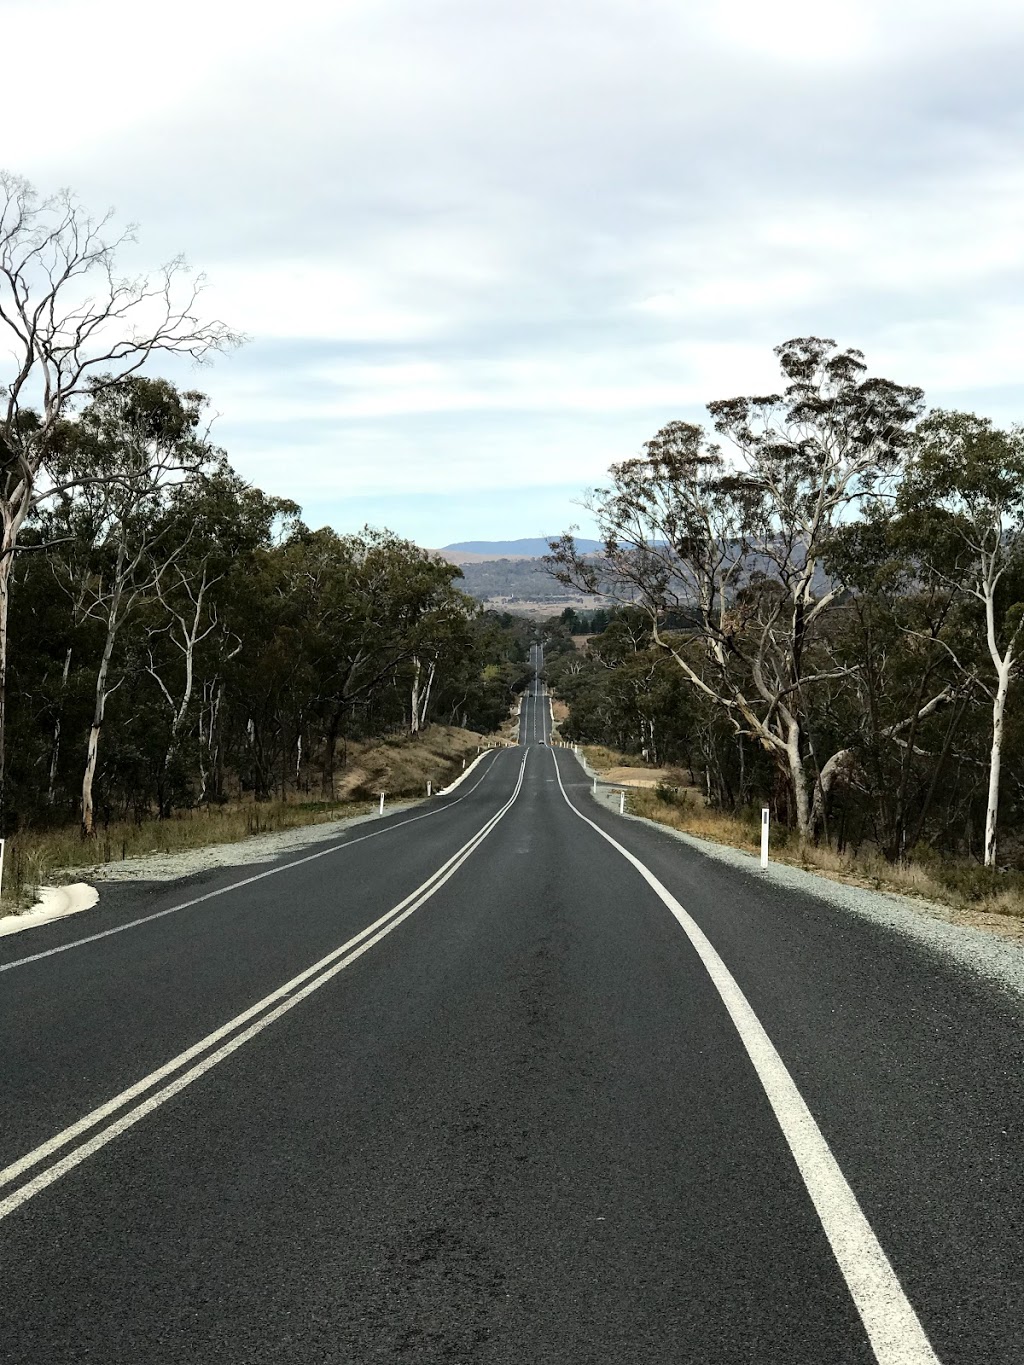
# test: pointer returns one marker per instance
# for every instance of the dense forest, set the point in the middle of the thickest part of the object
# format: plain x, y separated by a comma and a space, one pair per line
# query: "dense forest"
822, 605
171, 636
177, 634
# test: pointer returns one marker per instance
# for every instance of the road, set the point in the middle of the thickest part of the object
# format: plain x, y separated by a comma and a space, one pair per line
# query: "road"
503, 1078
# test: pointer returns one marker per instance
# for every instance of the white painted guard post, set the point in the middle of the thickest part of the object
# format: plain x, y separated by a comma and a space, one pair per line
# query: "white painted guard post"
622, 803
3, 843
382, 803
764, 838
428, 786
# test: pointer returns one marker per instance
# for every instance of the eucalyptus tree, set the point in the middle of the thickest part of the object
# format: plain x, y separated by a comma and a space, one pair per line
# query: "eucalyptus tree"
898, 628
198, 618
733, 548
72, 324
134, 444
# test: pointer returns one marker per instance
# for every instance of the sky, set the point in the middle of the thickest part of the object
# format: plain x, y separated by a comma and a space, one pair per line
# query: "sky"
484, 249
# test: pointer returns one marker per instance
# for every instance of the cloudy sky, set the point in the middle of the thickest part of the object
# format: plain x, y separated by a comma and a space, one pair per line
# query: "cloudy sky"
485, 248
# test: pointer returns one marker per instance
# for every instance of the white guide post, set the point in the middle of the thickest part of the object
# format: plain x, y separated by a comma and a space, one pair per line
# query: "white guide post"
3, 844
595, 786
622, 803
428, 786
764, 837
464, 764
381, 812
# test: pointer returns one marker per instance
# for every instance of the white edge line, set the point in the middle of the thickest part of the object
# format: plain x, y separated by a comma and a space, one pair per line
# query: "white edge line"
893, 1328
446, 791
349, 953
234, 886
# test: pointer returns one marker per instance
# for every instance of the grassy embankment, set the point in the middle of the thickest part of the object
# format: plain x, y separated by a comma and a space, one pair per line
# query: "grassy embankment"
960, 891
399, 766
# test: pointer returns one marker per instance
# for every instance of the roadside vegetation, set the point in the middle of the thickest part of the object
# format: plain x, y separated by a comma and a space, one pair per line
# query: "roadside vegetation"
820, 607
400, 766
182, 658
969, 893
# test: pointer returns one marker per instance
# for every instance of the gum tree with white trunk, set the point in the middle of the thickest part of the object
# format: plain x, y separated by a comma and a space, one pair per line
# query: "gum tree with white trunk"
731, 545
70, 322
118, 535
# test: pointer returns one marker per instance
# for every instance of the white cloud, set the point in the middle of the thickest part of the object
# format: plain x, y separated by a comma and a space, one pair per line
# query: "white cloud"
795, 31
473, 238
309, 299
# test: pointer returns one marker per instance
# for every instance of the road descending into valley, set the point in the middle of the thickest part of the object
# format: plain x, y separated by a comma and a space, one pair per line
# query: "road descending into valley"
503, 1077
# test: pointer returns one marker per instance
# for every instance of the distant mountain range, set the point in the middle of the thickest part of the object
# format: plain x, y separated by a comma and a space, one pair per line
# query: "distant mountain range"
511, 575
532, 547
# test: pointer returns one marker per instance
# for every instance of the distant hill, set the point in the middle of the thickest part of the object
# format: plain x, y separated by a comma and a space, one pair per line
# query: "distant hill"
530, 548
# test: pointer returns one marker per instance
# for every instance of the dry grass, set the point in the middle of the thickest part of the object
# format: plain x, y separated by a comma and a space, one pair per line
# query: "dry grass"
402, 765
628, 770
399, 766
962, 892
601, 758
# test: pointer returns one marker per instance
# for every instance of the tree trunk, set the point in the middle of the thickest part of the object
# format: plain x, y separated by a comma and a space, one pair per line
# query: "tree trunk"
98, 716
330, 746
6, 570
425, 702
838, 766
51, 787
414, 700
91, 757
798, 780
217, 742
995, 759
92, 753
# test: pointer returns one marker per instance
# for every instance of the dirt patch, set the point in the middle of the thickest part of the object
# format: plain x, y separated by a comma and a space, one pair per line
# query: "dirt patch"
640, 777
403, 765
628, 771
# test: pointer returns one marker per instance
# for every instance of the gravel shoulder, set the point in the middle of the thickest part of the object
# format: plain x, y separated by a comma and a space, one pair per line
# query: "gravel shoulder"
989, 950
259, 848
82, 888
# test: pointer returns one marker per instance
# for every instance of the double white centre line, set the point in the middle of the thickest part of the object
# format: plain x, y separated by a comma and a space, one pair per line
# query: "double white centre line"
236, 1031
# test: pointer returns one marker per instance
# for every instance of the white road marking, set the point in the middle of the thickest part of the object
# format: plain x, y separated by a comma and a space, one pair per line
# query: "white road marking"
893, 1328
235, 886
309, 980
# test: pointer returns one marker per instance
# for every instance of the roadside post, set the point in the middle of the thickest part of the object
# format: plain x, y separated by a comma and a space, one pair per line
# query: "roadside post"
622, 803
3, 845
595, 786
428, 786
764, 838
381, 812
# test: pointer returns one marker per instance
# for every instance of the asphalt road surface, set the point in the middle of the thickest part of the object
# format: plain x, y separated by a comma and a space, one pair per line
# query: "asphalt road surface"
503, 1078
